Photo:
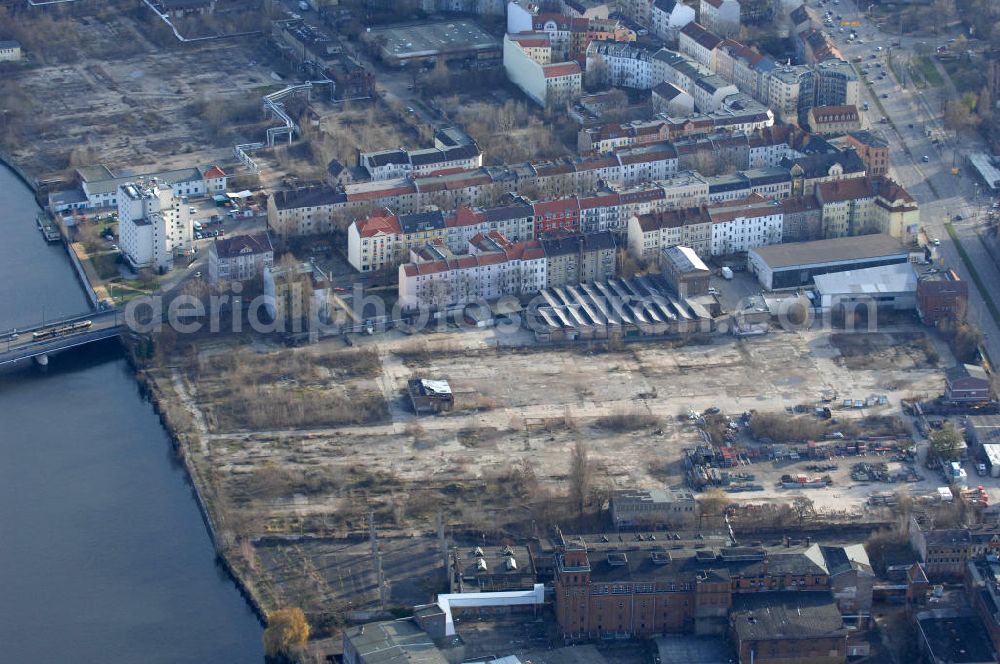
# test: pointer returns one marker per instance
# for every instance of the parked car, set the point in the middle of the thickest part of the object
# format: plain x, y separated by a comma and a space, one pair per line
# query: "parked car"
925, 159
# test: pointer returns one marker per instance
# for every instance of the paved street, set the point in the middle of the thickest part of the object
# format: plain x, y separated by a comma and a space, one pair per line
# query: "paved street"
912, 112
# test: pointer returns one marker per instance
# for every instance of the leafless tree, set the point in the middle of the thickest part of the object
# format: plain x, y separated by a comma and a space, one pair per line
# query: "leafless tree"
580, 472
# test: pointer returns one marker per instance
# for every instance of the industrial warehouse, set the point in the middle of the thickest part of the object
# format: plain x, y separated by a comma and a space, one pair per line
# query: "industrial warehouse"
618, 308
793, 265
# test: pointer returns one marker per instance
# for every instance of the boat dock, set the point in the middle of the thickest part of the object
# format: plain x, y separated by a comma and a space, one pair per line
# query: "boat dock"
48, 228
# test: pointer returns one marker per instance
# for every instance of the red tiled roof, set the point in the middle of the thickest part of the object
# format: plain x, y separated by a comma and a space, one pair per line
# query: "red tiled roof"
561, 206
381, 193
561, 69
531, 39
375, 225
215, 172
845, 190
607, 200
465, 216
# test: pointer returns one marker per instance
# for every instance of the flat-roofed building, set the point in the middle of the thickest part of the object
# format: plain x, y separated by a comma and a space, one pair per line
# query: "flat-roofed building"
794, 265
676, 507
455, 41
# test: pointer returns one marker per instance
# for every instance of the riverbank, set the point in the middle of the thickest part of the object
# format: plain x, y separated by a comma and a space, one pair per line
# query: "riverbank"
171, 420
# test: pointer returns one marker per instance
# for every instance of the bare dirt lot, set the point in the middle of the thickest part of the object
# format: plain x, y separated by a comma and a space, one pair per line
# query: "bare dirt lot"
308, 441
160, 106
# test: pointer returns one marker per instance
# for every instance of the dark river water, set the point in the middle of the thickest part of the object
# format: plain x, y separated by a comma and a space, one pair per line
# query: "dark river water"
103, 553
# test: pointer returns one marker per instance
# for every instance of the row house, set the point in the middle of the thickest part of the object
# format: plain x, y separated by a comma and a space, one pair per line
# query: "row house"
768, 182
668, 17
578, 258
493, 268
803, 219
649, 234
722, 16
558, 216
303, 211
600, 213
808, 171
390, 164
646, 163
515, 220
609, 137
698, 43
739, 226
627, 65
863, 205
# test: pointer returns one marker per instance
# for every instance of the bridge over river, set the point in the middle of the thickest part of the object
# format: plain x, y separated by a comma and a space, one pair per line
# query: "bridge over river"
54, 336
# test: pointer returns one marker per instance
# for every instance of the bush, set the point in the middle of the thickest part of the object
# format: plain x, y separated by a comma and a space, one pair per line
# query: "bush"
785, 429
627, 420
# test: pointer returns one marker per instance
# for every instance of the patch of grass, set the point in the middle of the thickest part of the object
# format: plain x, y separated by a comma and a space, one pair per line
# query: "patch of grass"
928, 71
994, 312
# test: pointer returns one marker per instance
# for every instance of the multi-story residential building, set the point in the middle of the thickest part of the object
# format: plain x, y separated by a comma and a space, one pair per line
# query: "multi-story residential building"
304, 211
720, 16
548, 85
515, 219
602, 212
671, 100
608, 137
873, 150
768, 182
494, 267
535, 45
151, 226
650, 233
560, 216
808, 171
738, 226
785, 88
646, 163
837, 84
239, 257
397, 163
573, 259
699, 43
637, 11
627, 65
803, 221
862, 205
296, 296
668, 17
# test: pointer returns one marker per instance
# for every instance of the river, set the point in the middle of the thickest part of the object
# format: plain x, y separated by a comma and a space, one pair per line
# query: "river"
103, 553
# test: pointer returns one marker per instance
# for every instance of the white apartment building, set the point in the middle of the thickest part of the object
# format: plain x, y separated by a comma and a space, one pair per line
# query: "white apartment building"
628, 66
546, 84
743, 225
151, 225
720, 16
494, 267
668, 17
699, 44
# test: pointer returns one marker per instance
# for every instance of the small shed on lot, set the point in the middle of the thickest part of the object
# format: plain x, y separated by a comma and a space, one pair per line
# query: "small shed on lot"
430, 396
